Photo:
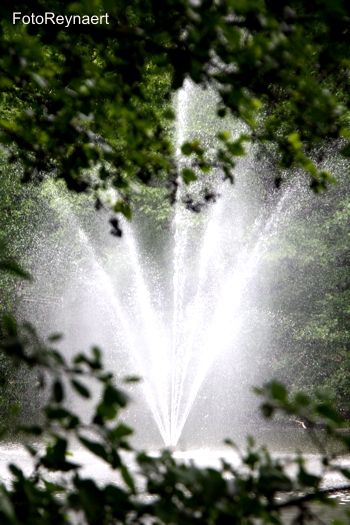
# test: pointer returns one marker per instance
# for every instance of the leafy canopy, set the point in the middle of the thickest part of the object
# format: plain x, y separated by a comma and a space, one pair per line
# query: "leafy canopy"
99, 96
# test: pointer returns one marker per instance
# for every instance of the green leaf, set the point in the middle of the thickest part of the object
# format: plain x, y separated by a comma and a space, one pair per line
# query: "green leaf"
57, 391
10, 325
191, 147
55, 337
169, 114
114, 396
127, 478
295, 141
267, 410
34, 430
221, 112
278, 391
97, 353
236, 149
15, 269
96, 448
6, 505
186, 149
115, 459
57, 413
308, 480
105, 411
345, 151
345, 472
54, 458
15, 409
224, 135
121, 431
125, 209
32, 451
188, 175
132, 379
302, 399
80, 388
326, 410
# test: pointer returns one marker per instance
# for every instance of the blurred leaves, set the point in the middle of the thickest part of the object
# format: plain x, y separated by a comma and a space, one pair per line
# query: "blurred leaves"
92, 106
13, 268
173, 491
66, 114
10, 266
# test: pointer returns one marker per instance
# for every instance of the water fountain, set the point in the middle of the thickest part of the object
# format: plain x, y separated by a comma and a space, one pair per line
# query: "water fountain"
177, 323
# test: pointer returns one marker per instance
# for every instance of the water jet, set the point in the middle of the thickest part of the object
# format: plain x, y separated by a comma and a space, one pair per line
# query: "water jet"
180, 307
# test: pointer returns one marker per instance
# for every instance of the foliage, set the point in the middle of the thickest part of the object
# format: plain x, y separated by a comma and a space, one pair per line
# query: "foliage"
160, 489
92, 106
305, 287
99, 96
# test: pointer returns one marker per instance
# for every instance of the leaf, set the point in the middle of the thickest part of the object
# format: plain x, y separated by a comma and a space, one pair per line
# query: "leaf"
55, 337
302, 399
267, 409
96, 448
16, 471
191, 147
78, 359
73, 422
32, 451
6, 505
236, 149
114, 396
224, 135
97, 353
326, 410
57, 391
127, 478
125, 209
188, 176
278, 391
132, 379
308, 480
15, 409
10, 325
80, 388
57, 413
345, 151
345, 472
295, 141
186, 149
15, 269
121, 431
106, 412
34, 430
115, 459
169, 114
55, 457
230, 443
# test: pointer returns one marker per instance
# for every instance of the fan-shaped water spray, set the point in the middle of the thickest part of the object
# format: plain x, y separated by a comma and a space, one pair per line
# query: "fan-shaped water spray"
176, 321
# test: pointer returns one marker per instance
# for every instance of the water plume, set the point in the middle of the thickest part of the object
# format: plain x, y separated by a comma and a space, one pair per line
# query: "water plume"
176, 321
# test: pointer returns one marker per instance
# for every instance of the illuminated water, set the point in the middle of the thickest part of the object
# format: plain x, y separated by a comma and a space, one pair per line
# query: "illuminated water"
176, 310
183, 306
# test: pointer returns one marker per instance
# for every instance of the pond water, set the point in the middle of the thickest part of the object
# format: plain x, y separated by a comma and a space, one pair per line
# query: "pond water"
282, 442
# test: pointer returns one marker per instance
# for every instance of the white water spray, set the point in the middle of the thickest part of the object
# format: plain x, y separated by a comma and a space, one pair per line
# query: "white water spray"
214, 259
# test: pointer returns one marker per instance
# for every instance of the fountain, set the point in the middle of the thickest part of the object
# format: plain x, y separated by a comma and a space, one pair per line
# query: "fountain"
178, 314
